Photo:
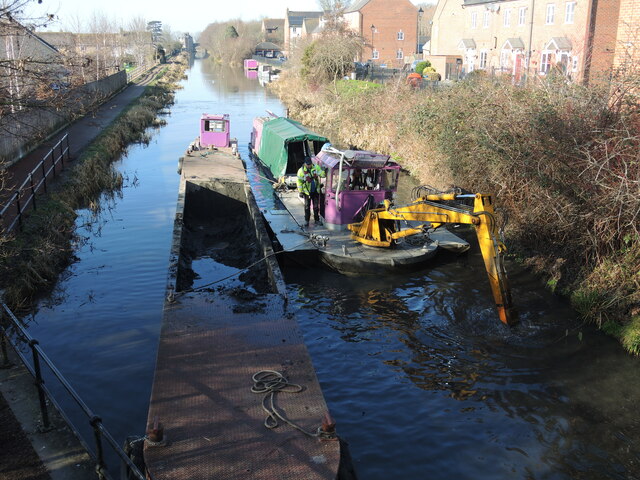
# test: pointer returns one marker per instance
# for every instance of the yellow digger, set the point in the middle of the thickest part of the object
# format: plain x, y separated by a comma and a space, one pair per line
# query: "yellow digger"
381, 228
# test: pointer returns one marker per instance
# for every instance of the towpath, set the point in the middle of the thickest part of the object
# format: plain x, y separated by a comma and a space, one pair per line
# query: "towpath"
81, 134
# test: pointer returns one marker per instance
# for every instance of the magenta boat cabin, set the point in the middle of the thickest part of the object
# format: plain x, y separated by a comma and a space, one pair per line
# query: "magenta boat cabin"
356, 180
214, 131
250, 64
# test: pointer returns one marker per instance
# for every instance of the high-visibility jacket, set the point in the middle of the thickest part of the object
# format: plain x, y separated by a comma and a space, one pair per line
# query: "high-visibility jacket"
309, 175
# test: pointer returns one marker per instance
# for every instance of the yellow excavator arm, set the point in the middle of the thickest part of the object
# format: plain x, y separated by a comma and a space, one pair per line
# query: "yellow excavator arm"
379, 228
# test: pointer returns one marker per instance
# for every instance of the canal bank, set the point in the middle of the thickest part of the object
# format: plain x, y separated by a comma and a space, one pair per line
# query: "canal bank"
415, 370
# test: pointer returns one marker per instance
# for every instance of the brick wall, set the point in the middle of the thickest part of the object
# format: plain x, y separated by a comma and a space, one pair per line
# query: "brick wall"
604, 39
627, 48
389, 18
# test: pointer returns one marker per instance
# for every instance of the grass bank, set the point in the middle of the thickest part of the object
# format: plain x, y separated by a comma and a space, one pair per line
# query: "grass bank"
31, 261
562, 159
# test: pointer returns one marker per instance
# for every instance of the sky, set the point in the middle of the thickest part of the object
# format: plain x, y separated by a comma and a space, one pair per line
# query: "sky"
186, 16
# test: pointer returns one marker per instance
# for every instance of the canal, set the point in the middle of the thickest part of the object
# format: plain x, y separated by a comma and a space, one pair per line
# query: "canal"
423, 381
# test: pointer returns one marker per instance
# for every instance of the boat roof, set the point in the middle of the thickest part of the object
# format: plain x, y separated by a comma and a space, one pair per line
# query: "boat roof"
208, 116
276, 135
357, 159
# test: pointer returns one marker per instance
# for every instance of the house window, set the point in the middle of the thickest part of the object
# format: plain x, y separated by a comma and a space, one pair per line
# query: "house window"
375, 55
507, 17
400, 35
574, 63
551, 13
474, 19
483, 59
485, 19
545, 62
399, 54
522, 16
569, 12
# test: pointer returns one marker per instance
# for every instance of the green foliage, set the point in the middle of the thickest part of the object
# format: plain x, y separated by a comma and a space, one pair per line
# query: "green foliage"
628, 334
231, 32
420, 66
353, 88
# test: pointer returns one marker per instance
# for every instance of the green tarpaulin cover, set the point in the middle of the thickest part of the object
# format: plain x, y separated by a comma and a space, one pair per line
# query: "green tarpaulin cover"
276, 135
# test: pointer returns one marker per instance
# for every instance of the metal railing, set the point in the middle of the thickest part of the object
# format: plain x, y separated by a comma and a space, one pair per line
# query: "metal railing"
9, 320
25, 195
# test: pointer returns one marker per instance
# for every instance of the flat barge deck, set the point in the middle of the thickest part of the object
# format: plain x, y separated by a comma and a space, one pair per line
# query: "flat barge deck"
204, 421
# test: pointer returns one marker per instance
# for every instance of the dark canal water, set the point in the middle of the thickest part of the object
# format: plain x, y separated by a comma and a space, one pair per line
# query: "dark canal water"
422, 379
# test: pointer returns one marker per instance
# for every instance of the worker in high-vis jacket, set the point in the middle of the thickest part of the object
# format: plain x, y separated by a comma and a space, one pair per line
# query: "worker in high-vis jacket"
309, 176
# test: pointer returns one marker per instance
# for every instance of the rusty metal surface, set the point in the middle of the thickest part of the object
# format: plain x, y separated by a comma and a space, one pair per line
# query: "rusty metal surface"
211, 344
213, 424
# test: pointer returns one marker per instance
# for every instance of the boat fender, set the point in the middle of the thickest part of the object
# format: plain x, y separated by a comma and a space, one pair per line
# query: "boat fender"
180, 160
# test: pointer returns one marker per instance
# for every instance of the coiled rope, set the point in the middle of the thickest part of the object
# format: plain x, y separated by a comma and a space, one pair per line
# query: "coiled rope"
269, 383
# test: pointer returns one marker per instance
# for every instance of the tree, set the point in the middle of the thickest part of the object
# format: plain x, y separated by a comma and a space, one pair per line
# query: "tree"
155, 27
141, 40
231, 32
333, 14
330, 58
226, 48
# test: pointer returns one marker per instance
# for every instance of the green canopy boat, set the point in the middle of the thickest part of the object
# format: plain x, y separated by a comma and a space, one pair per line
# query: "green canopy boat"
281, 144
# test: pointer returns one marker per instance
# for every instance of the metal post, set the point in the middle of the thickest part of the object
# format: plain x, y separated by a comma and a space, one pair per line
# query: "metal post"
95, 423
44, 175
53, 162
19, 208
61, 155
33, 192
39, 383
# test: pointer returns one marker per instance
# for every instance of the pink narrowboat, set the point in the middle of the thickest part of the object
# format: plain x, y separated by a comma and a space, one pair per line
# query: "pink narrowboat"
250, 64
356, 180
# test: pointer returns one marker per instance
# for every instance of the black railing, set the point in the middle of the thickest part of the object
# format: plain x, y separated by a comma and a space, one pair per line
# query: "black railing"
9, 321
25, 195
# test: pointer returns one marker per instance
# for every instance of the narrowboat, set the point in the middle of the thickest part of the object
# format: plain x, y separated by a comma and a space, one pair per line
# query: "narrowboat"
355, 181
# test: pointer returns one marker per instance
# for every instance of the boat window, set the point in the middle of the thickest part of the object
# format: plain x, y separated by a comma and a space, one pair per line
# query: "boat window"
389, 179
335, 176
214, 125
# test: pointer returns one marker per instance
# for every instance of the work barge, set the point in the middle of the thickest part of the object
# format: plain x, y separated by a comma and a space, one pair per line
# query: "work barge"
221, 344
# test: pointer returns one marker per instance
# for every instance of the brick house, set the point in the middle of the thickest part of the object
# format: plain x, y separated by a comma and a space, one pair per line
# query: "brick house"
294, 27
517, 37
273, 30
389, 28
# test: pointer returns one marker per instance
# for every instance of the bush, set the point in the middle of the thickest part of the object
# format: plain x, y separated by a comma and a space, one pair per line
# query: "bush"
420, 66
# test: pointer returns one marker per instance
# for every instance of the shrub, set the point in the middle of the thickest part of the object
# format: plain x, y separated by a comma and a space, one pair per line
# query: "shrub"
420, 66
